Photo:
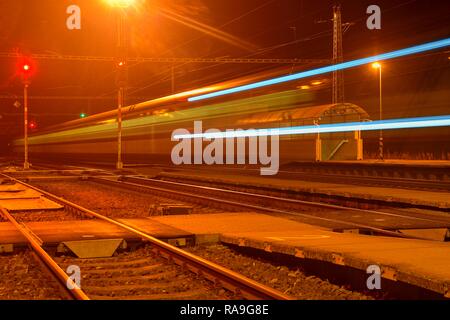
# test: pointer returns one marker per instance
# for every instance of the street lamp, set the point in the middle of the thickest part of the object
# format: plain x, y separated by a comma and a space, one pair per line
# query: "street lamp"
377, 65
122, 69
121, 3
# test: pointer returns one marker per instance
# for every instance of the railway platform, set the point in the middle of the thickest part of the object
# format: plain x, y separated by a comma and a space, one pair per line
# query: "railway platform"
319, 190
89, 233
395, 162
420, 263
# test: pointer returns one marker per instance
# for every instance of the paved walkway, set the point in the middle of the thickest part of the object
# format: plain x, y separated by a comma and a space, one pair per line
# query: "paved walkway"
422, 263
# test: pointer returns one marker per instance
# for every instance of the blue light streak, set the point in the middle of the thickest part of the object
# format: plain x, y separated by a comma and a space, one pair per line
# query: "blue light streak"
406, 123
346, 65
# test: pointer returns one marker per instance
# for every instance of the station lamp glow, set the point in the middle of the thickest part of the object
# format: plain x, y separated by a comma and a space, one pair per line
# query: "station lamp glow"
83, 115
376, 65
120, 3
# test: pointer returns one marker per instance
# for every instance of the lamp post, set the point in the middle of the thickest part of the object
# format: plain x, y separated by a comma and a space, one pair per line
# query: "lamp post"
121, 83
378, 66
122, 69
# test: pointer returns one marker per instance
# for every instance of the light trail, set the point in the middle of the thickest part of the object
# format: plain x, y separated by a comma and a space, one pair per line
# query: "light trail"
346, 65
406, 123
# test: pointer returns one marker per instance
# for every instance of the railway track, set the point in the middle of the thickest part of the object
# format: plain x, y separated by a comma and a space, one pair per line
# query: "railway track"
336, 217
50, 265
392, 182
162, 253
327, 215
344, 175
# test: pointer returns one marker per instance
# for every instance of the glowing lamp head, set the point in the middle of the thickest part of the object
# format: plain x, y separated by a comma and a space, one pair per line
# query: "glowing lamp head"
83, 115
32, 125
376, 65
120, 3
26, 67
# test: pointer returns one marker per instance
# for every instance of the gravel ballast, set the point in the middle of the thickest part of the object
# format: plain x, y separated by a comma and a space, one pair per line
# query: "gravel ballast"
292, 282
21, 278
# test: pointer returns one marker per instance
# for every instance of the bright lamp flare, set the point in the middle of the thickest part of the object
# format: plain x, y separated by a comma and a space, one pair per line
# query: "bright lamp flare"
26, 67
376, 65
121, 3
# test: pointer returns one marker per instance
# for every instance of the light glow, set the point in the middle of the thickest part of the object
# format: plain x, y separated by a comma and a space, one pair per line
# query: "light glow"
405, 123
342, 66
121, 3
376, 65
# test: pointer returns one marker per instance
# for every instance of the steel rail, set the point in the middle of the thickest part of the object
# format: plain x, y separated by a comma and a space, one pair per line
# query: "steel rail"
406, 183
292, 201
52, 266
228, 279
413, 184
261, 208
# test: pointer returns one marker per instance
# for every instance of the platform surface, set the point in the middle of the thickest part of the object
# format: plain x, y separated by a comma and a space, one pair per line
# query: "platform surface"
156, 228
38, 204
57, 231
419, 262
407, 196
17, 193
400, 162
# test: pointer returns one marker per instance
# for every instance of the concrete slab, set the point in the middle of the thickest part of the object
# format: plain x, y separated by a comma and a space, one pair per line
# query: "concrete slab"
56, 232
232, 222
21, 194
431, 234
422, 263
11, 188
41, 203
400, 162
10, 235
157, 229
90, 249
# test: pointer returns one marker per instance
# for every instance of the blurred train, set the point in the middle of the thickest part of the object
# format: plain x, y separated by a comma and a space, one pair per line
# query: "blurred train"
148, 126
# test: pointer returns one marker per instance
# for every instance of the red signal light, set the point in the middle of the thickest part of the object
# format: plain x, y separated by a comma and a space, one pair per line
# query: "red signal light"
26, 68
33, 125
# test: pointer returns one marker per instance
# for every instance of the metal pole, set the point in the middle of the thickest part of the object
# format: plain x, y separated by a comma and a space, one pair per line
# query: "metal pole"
121, 91
26, 164
381, 155
119, 125
173, 80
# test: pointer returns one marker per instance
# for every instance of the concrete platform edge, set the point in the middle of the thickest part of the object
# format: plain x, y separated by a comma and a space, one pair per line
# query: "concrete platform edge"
389, 272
